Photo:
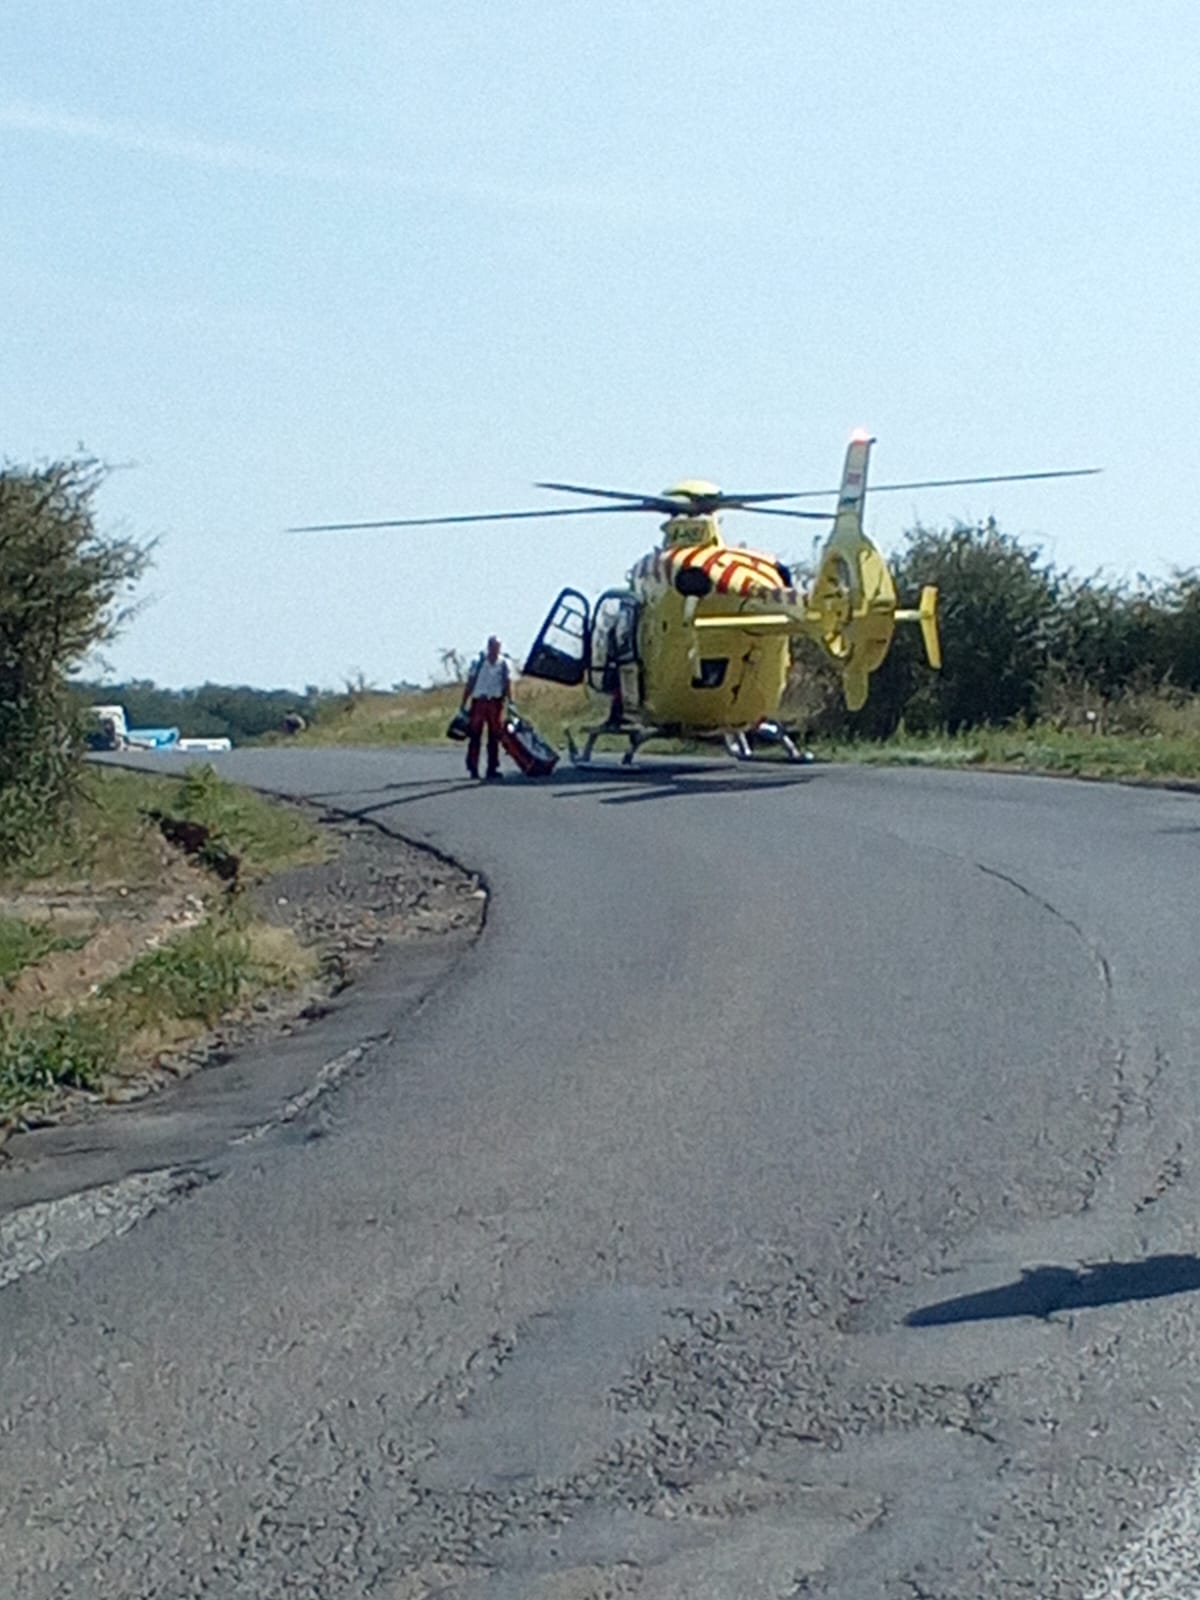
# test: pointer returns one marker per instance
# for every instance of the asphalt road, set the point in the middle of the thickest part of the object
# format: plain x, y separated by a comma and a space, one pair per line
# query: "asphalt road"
792, 1194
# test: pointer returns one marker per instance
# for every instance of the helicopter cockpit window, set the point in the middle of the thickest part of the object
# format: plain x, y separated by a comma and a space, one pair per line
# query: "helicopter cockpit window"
560, 651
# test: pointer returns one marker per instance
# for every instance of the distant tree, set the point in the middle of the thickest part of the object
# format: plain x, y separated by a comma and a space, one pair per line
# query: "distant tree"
998, 605
244, 713
454, 665
64, 590
1104, 634
1177, 631
236, 712
1103, 642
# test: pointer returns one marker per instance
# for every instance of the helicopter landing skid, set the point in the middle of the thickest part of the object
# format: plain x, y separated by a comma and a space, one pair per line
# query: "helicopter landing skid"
583, 758
740, 748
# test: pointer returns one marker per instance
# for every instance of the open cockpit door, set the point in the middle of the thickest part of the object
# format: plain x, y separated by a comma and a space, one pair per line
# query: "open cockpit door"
560, 651
615, 666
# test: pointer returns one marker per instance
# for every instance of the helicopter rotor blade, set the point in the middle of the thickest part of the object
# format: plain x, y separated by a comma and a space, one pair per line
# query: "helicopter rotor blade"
935, 483
732, 502
647, 502
697, 503
1007, 477
780, 511
885, 488
485, 516
674, 504
682, 505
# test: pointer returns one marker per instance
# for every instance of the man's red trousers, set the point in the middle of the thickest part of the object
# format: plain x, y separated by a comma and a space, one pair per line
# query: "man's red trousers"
485, 714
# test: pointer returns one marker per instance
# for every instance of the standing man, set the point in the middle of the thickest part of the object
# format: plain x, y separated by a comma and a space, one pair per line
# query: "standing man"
485, 696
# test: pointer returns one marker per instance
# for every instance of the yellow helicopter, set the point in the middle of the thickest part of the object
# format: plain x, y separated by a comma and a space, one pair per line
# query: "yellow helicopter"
696, 644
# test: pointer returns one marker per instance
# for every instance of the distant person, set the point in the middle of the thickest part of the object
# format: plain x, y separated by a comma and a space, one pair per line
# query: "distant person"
107, 736
485, 697
294, 723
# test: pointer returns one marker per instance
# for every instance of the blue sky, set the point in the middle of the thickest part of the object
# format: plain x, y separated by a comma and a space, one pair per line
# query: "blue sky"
328, 260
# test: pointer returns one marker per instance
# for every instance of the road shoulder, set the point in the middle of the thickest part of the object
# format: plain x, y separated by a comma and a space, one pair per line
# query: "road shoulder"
390, 920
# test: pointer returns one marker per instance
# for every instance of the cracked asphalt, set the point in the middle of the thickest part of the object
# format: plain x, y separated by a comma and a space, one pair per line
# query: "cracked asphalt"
792, 1193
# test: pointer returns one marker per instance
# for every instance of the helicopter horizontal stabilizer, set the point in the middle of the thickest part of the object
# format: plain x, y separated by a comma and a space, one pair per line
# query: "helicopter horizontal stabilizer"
926, 615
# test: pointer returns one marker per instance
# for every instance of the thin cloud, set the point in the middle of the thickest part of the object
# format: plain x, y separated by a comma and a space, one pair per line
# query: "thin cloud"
230, 156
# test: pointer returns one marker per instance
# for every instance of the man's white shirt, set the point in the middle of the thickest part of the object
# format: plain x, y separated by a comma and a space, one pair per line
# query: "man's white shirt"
491, 679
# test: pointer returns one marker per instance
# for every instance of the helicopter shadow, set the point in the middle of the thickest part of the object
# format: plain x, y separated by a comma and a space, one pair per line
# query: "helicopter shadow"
667, 781
426, 789
664, 781
1041, 1291
422, 786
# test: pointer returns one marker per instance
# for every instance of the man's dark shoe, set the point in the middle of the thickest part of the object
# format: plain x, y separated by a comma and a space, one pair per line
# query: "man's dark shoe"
471, 773
495, 777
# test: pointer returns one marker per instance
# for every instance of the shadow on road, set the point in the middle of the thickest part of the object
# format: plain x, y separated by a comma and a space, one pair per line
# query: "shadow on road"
663, 781
420, 787
667, 780
1040, 1291
685, 788
430, 789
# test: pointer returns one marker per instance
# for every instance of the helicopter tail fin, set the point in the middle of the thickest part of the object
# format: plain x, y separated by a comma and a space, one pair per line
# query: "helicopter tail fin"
854, 481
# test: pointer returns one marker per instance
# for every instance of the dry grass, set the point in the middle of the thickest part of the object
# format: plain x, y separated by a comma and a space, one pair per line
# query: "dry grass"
372, 718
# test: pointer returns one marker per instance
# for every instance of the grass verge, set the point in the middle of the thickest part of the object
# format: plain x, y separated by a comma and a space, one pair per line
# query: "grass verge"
1054, 752
110, 836
164, 999
194, 951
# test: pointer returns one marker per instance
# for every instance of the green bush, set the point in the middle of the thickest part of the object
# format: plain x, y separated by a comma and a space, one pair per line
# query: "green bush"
61, 588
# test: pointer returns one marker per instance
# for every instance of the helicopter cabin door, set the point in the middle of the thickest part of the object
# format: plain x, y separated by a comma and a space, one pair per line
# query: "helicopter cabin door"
560, 651
615, 667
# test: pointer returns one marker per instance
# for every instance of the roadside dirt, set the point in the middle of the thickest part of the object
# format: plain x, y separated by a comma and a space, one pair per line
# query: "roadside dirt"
102, 929
377, 891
